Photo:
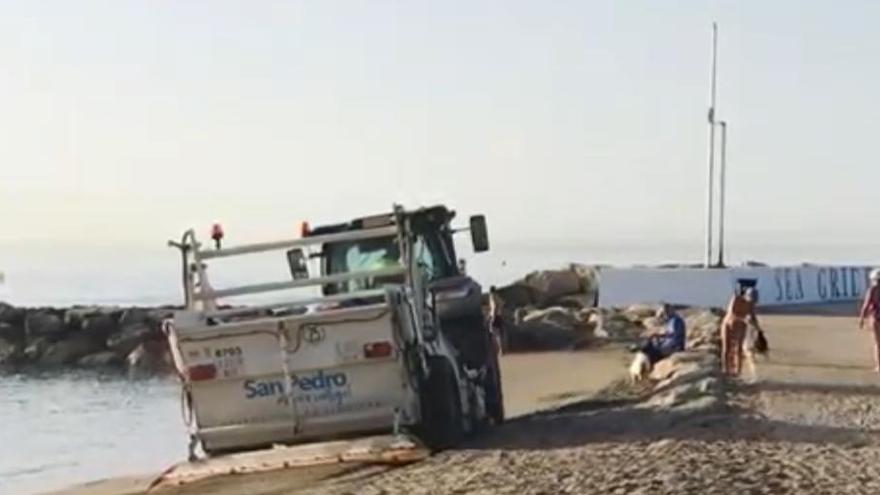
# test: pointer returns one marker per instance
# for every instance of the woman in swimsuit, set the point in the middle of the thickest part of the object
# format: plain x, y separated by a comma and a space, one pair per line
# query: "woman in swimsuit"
871, 308
740, 313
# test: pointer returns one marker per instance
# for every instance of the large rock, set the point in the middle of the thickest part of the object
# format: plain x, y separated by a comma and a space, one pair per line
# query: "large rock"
679, 392
99, 323
517, 295
73, 317
551, 285
681, 363
673, 396
701, 319
615, 325
68, 351
103, 359
35, 348
99, 326
125, 341
546, 329
10, 353
576, 301
44, 323
556, 316
703, 329
702, 336
12, 314
663, 369
140, 316
150, 358
574, 287
640, 311
588, 276
11, 332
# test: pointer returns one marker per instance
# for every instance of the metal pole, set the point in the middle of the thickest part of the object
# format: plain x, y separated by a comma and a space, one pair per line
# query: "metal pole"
721, 193
710, 200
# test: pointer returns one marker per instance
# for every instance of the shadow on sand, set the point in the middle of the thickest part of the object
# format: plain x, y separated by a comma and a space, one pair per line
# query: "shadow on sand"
847, 308
829, 366
618, 421
806, 387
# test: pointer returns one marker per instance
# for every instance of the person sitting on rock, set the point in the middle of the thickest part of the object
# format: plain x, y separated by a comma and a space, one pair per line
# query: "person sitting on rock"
669, 338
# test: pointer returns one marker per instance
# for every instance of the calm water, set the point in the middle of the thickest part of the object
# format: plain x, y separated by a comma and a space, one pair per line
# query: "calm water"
56, 430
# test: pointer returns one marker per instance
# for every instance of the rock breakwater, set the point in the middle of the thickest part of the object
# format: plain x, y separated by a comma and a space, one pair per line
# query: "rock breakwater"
87, 337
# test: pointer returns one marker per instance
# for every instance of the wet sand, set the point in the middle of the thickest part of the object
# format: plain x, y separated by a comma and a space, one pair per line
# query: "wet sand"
537, 381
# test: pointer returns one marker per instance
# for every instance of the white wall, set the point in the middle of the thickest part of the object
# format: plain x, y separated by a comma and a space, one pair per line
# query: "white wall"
713, 287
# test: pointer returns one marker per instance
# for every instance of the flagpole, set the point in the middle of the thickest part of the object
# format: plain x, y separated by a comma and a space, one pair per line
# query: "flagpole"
710, 195
722, 192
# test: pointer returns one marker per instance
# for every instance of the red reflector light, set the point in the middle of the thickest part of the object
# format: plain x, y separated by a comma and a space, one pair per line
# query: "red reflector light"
304, 229
378, 349
202, 372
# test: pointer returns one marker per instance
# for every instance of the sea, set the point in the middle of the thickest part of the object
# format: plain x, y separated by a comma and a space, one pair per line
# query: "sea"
59, 429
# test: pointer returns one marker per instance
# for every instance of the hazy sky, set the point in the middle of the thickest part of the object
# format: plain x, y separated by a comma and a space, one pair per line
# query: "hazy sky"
562, 121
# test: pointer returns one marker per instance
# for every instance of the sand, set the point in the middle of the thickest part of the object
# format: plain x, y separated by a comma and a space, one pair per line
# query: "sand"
808, 425
531, 382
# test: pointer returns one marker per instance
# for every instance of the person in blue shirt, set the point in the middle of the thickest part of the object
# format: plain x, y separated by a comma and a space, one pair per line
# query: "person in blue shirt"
668, 339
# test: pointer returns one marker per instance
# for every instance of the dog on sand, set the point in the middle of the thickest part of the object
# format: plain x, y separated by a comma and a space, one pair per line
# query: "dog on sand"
640, 367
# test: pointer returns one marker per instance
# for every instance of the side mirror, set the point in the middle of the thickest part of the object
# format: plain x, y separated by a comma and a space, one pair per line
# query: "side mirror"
479, 234
299, 266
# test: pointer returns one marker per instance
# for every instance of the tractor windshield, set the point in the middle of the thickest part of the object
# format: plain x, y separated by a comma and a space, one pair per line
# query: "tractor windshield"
433, 256
354, 256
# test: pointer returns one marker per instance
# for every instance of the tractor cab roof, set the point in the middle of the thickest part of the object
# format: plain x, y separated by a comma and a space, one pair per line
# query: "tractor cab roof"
436, 217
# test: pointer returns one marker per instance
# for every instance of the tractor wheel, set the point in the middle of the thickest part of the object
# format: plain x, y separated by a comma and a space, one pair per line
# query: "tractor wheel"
442, 423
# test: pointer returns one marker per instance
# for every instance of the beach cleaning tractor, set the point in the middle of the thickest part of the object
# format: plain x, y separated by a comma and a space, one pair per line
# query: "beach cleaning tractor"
375, 330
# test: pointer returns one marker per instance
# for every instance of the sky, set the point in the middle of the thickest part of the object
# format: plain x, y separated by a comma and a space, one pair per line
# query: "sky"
125, 122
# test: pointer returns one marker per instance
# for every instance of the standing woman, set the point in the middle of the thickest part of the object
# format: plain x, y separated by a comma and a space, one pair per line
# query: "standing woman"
871, 307
740, 313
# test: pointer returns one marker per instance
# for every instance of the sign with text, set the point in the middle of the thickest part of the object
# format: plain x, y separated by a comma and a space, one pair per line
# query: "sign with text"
805, 284
792, 285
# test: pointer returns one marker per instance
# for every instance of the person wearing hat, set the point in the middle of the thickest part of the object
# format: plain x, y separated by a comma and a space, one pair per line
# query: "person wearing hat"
871, 308
740, 314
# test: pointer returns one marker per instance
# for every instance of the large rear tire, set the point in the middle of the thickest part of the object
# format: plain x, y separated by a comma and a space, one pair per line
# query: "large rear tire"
441, 425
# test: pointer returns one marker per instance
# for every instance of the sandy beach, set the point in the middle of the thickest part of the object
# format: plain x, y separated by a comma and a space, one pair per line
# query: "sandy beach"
807, 425
533, 382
